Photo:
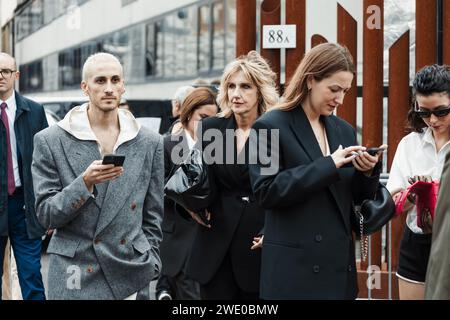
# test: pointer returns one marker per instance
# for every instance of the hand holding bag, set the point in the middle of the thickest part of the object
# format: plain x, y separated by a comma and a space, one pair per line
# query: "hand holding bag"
190, 186
425, 200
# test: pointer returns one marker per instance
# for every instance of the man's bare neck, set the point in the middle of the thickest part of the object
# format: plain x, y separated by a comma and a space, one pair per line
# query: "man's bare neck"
100, 120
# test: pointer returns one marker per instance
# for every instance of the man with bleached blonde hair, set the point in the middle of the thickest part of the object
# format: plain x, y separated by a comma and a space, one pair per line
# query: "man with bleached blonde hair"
107, 216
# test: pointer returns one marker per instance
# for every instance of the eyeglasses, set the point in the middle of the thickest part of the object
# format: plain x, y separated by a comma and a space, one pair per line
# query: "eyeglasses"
6, 73
427, 113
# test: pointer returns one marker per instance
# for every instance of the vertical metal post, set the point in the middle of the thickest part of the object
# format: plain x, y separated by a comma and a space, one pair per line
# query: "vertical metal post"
296, 14
245, 26
426, 26
372, 130
440, 31
270, 15
446, 32
348, 36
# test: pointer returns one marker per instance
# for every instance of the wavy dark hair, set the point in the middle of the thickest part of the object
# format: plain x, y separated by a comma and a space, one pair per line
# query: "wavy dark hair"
430, 79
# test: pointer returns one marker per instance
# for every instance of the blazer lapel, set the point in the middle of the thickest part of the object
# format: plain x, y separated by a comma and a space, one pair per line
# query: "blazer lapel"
79, 154
304, 133
119, 190
334, 140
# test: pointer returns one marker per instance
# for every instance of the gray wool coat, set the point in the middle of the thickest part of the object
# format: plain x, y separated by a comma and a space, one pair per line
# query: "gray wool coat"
106, 245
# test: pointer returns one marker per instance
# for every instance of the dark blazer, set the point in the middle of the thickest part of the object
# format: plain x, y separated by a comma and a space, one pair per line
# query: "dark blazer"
30, 119
236, 219
308, 250
178, 232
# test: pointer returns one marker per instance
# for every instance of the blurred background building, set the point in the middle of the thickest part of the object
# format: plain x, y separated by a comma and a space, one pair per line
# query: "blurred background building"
162, 44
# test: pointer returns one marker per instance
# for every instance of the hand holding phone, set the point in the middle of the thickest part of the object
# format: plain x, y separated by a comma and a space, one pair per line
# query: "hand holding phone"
116, 160
374, 151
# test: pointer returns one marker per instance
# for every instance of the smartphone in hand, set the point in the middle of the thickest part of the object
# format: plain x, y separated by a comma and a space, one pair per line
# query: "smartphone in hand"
116, 160
374, 151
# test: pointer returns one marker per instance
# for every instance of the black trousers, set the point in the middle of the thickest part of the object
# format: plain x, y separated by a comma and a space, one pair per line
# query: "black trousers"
180, 287
223, 285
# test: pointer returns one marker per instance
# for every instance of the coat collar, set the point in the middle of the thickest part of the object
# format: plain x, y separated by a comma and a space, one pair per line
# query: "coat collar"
120, 189
22, 105
80, 154
76, 123
303, 131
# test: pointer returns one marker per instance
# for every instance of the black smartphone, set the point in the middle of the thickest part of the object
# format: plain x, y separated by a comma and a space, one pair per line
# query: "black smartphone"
116, 160
374, 151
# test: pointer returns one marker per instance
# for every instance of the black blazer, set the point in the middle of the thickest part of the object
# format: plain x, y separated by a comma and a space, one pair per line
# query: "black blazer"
236, 219
30, 119
308, 250
178, 233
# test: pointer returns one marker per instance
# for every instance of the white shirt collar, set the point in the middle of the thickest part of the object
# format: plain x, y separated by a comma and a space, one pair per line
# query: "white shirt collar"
11, 103
76, 122
428, 137
190, 141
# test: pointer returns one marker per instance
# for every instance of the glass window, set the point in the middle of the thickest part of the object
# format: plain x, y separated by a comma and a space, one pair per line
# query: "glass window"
186, 42
36, 15
204, 17
218, 53
169, 47
154, 52
51, 74
31, 77
135, 67
23, 23
70, 68
230, 34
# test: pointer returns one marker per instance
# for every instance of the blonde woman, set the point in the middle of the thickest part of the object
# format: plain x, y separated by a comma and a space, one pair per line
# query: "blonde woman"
221, 258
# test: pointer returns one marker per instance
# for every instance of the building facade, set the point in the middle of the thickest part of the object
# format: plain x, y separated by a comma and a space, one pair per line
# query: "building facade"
162, 44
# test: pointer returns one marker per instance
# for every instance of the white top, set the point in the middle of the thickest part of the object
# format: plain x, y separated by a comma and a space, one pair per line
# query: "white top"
416, 155
11, 112
189, 139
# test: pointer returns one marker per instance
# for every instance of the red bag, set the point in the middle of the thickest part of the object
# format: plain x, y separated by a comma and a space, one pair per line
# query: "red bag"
426, 199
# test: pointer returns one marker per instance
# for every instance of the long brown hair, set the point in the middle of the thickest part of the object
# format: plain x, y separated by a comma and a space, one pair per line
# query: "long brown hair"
320, 62
194, 100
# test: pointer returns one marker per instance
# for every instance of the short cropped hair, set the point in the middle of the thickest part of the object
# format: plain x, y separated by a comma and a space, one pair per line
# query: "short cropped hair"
98, 57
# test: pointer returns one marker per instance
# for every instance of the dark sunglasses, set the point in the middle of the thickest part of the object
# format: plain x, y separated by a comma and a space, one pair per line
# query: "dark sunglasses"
427, 113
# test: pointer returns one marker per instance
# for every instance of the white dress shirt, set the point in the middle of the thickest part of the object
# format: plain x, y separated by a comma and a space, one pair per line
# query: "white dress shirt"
416, 155
11, 112
190, 140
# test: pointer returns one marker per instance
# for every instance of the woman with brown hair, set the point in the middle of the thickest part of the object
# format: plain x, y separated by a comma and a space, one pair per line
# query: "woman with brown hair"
308, 250
178, 233
222, 259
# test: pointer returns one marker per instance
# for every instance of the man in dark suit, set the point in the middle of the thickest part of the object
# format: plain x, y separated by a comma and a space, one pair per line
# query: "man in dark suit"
21, 119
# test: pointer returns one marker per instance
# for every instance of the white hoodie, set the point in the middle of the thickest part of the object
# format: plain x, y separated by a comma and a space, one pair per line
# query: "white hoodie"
76, 123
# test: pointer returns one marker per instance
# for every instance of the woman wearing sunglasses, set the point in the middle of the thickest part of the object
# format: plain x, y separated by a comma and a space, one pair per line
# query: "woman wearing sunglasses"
420, 156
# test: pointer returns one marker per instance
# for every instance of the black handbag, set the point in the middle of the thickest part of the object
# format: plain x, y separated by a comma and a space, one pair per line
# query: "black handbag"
190, 186
372, 215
